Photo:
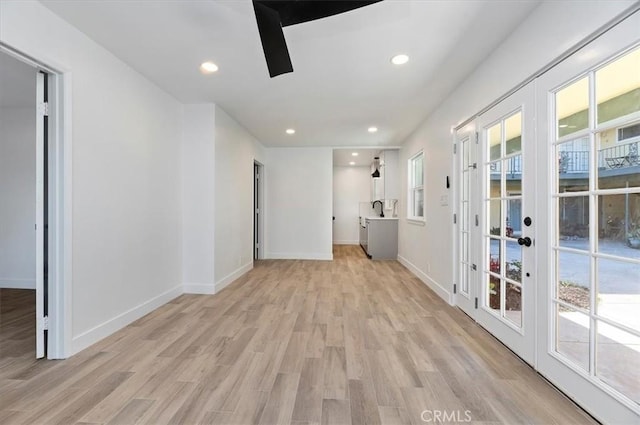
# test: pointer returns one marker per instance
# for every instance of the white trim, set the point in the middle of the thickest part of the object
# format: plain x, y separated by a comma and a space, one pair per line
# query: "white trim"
432, 284
118, 322
225, 281
17, 283
346, 242
60, 297
299, 256
40, 231
199, 288
412, 189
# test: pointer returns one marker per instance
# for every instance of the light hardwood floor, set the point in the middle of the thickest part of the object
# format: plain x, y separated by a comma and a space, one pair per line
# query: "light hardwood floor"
17, 323
351, 341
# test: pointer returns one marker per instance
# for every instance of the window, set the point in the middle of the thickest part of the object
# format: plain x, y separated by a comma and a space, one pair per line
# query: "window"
415, 209
629, 134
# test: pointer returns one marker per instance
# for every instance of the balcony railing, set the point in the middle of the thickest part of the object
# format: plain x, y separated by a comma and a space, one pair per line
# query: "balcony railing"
573, 162
619, 156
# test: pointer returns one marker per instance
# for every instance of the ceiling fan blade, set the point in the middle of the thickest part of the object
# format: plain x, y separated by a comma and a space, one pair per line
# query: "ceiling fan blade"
273, 42
299, 11
272, 15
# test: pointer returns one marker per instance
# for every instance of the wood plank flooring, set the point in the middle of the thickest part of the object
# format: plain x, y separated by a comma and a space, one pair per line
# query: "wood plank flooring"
17, 323
349, 341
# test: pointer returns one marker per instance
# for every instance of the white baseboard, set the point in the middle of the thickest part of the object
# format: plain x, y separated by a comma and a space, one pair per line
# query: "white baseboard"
299, 256
17, 283
346, 242
432, 284
90, 337
222, 283
199, 288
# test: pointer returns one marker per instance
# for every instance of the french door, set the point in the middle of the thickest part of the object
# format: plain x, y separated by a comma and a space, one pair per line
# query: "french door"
507, 269
547, 258
466, 231
589, 164
496, 266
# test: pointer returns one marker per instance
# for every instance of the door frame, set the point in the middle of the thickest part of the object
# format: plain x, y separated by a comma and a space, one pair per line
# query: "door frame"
41, 210
59, 211
258, 211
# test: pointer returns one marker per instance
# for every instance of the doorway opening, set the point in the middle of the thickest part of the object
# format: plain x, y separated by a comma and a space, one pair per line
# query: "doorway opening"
258, 220
35, 245
22, 224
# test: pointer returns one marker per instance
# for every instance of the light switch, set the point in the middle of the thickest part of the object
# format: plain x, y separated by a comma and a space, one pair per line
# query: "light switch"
444, 200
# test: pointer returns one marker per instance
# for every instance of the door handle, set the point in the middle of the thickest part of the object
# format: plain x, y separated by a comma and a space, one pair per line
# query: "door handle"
526, 241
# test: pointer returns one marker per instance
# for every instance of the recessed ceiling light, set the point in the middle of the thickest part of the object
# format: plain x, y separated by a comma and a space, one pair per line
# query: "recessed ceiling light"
208, 67
372, 129
354, 154
352, 163
290, 131
399, 59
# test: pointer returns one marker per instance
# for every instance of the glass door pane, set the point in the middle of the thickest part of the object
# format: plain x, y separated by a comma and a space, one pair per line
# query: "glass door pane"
503, 268
597, 218
506, 271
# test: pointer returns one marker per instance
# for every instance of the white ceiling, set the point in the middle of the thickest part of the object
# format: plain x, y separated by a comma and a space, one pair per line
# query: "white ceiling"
342, 82
17, 83
342, 157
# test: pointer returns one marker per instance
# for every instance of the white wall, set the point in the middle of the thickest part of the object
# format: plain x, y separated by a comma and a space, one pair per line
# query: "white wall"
126, 175
544, 35
350, 187
198, 198
392, 181
235, 152
299, 203
18, 195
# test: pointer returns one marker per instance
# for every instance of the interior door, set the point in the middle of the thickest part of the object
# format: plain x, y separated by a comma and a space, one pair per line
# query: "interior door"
466, 226
39, 227
506, 270
589, 167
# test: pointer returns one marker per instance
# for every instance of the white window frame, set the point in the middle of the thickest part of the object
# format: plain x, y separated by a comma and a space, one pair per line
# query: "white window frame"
632, 139
413, 188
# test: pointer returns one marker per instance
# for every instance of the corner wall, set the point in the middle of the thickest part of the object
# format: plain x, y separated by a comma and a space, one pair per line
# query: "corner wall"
235, 153
299, 203
546, 34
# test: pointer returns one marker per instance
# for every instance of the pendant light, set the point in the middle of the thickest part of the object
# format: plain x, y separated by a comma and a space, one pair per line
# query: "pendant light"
376, 163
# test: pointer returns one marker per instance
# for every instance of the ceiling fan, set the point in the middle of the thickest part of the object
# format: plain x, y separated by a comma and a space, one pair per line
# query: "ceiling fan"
272, 15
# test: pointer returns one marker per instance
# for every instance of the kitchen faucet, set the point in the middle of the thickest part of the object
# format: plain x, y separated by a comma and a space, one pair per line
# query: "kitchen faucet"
373, 205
